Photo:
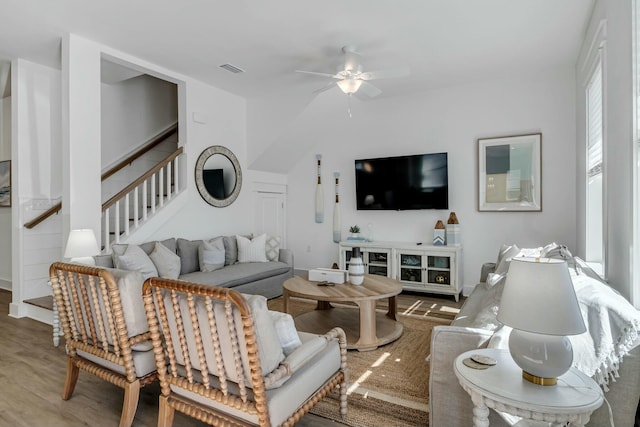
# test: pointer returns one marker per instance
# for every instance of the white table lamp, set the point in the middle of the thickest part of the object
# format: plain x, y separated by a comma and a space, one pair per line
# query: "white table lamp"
540, 304
81, 246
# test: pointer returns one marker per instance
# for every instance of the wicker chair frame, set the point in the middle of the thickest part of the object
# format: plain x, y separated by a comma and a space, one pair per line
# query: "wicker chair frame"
250, 398
97, 329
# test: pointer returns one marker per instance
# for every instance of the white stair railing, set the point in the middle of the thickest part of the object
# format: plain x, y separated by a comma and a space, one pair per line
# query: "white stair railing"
117, 223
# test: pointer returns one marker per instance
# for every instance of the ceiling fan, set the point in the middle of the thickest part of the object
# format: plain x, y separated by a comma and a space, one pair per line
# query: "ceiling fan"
351, 78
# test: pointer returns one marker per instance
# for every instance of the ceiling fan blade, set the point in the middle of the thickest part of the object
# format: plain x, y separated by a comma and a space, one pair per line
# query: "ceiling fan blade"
325, 88
333, 76
384, 74
368, 89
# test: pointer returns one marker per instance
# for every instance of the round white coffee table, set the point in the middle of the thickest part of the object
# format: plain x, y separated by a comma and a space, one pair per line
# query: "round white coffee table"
501, 387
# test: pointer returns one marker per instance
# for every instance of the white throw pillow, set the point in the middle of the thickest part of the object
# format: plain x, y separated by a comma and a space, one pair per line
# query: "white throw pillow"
506, 253
134, 259
272, 248
252, 250
211, 254
286, 330
167, 263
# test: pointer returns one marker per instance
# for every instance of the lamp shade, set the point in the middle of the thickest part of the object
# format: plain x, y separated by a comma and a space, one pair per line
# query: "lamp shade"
81, 243
539, 297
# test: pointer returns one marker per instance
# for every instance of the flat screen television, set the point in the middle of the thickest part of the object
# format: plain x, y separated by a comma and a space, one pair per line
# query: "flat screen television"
403, 182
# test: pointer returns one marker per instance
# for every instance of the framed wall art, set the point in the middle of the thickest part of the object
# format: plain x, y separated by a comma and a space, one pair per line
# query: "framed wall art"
509, 173
5, 183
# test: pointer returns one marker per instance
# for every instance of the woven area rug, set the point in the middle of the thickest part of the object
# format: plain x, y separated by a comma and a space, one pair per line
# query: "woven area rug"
387, 386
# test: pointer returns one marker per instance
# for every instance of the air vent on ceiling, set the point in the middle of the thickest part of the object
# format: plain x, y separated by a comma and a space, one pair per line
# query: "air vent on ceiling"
232, 68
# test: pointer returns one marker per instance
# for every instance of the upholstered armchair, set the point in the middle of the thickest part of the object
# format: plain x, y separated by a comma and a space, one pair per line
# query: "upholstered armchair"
225, 359
105, 329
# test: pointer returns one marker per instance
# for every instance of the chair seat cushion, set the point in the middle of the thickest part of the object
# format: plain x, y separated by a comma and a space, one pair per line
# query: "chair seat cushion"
284, 400
144, 362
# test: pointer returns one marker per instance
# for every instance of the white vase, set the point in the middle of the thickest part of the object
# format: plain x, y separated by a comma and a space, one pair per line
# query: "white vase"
356, 267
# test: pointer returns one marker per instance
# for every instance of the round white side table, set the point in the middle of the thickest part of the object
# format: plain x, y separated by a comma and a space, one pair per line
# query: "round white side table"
501, 387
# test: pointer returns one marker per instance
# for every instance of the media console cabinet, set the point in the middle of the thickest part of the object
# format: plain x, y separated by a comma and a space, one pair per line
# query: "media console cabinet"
422, 268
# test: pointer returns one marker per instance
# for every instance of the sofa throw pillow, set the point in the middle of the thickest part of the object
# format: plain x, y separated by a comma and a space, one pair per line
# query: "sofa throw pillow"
268, 342
272, 248
230, 250
286, 330
167, 263
211, 254
148, 247
504, 257
188, 253
134, 259
252, 250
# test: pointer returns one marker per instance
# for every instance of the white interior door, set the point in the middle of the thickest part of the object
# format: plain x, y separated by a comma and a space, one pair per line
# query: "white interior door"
270, 215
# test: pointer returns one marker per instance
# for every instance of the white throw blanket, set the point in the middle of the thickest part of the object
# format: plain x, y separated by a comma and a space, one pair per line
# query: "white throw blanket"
612, 322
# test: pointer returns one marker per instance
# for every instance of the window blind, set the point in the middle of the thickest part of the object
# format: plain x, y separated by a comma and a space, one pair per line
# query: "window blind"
594, 123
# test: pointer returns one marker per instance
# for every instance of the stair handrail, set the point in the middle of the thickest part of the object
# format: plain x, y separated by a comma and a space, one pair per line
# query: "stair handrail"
143, 150
120, 195
156, 140
44, 215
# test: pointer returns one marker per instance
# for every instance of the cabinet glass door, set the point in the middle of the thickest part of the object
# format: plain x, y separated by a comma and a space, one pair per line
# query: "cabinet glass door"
438, 270
411, 268
377, 263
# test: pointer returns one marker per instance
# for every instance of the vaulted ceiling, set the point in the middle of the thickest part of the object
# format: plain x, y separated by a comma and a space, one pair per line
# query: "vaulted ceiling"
443, 42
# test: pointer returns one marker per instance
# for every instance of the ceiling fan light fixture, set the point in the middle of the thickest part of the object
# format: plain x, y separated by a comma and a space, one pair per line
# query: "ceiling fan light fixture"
349, 86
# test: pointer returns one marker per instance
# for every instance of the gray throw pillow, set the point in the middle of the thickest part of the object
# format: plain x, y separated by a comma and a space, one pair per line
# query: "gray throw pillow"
119, 248
134, 259
167, 262
211, 254
230, 250
188, 253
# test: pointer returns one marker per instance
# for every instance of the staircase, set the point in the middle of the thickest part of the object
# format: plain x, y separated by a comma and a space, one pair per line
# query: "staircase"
129, 209
139, 201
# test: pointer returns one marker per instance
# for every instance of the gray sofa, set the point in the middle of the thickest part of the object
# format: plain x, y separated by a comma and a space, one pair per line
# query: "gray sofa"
476, 326
258, 278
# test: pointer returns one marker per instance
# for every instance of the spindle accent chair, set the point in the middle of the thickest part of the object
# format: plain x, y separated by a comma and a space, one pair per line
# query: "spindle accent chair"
105, 329
220, 359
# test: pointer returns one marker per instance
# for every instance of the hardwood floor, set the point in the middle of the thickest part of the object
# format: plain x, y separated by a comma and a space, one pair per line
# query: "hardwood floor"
33, 373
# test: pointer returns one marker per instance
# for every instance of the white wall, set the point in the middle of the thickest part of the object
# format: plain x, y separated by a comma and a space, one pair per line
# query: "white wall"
449, 119
618, 154
36, 160
133, 111
225, 117
5, 213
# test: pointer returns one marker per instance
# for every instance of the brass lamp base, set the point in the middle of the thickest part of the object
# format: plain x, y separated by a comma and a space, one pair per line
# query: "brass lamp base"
539, 380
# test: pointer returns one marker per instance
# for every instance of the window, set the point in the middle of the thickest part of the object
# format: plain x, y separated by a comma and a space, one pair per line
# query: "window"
595, 249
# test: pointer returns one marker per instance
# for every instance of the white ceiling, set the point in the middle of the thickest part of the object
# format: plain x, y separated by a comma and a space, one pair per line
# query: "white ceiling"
443, 42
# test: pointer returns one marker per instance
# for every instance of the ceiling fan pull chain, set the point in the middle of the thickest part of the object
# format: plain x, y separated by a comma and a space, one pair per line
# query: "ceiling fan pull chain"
349, 105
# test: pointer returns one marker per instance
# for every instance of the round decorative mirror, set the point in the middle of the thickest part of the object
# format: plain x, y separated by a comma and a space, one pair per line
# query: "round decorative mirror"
218, 176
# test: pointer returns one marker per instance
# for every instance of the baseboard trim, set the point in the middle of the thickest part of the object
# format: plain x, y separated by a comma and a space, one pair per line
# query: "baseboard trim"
467, 289
28, 310
5, 284
299, 272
